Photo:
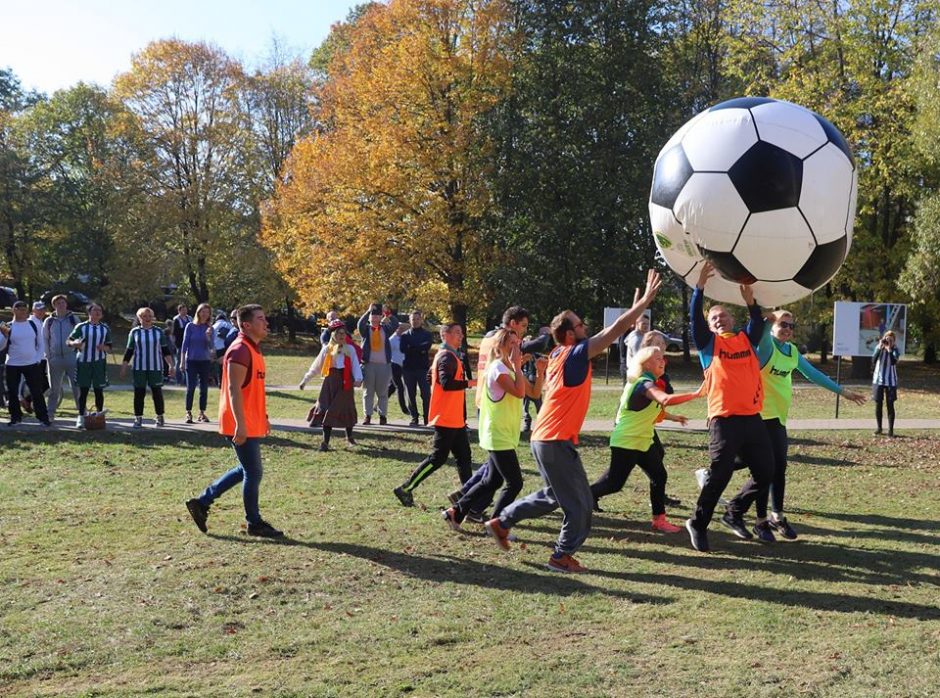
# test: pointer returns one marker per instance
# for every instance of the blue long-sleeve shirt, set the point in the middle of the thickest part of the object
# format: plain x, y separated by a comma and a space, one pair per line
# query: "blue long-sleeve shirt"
810, 372
197, 342
704, 338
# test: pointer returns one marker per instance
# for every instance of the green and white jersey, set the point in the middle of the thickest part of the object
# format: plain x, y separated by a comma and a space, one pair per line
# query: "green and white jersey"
147, 346
500, 412
92, 335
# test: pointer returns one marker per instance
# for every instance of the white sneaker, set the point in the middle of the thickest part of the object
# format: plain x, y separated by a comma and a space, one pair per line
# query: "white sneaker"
79, 422
138, 422
701, 477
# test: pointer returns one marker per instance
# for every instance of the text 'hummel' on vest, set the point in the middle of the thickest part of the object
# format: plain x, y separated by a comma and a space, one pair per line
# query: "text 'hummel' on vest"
734, 355
783, 374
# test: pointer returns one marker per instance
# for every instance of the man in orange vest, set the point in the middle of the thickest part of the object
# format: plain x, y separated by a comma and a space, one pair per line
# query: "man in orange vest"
243, 417
735, 398
565, 401
447, 414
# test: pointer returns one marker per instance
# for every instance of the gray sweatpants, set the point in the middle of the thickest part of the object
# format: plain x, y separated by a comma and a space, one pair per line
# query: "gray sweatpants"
59, 370
566, 486
375, 380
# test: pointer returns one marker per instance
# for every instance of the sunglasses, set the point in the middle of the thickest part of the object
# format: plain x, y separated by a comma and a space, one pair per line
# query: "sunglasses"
787, 325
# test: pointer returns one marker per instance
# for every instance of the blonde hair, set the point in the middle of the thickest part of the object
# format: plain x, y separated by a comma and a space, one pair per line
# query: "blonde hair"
635, 367
208, 316
334, 346
654, 338
778, 314
140, 313
499, 339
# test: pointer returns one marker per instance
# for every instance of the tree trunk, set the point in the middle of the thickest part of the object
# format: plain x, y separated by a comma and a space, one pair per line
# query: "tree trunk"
291, 330
930, 353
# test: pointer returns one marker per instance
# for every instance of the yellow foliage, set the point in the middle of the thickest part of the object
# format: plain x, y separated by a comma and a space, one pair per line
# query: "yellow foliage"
388, 196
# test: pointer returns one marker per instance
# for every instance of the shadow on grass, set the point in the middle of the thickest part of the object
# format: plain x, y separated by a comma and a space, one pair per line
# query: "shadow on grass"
178, 437
820, 601
447, 568
877, 520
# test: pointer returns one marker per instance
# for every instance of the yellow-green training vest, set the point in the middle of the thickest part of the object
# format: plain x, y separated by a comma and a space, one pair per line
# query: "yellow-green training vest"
499, 419
776, 375
634, 429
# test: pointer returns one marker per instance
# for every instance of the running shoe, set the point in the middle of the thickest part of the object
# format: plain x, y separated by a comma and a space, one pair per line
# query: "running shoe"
499, 533
764, 533
564, 563
404, 497
450, 518
784, 528
661, 524
699, 538
737, 525
199, 512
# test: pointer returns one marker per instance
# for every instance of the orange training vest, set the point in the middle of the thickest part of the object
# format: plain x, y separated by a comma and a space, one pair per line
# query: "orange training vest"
564, 409
253, 401
734, 383
447, 408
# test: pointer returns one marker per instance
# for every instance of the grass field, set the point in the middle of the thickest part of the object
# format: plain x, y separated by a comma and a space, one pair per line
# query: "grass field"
107, 588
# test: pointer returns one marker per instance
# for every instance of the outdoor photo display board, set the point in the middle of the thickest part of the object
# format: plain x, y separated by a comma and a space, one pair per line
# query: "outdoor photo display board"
857, 327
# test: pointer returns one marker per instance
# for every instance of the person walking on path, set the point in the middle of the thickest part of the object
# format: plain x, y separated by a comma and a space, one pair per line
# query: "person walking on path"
149, 349
61, 358
416, 345
197, 352
735, 399
91, 341
375, 330
555, 437
25, 350
500, 411
180, 320
243, 417
448, 414
397, 386
779, 358
336, 405
884, 381
642, 404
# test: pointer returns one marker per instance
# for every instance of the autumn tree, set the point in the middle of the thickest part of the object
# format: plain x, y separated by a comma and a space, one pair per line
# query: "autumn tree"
390, 193
186, 97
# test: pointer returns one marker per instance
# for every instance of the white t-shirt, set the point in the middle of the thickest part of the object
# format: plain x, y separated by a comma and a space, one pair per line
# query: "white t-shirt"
397, 356
493, 372
25, 345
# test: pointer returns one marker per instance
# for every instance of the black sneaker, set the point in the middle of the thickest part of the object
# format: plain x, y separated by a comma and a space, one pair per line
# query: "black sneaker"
263, 529
404, 497
413, 423
199, 512
477, 517
597, 508
672, 501
383, 420
764, 533
699, 538
736, 524
784, 528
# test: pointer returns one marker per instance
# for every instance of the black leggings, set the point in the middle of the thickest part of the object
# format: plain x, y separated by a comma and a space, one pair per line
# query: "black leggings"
622, 461
83, 399
503, 467
882, 394
140, 393
328, 432
779, 444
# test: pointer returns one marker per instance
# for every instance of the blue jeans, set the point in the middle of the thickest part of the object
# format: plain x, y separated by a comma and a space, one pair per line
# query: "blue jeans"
197, 370
248, 472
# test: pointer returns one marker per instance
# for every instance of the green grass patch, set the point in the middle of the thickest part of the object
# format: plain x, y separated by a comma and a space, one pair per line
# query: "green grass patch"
107, 588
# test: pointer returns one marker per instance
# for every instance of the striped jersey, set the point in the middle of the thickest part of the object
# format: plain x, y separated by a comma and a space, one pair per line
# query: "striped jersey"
886, 369
148, 346
92, 335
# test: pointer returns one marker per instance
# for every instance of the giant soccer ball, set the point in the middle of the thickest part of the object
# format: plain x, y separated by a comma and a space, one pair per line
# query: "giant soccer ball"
765, 190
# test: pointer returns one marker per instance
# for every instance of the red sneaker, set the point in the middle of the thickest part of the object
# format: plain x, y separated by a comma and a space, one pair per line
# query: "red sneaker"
450, 518
499, 532
565, 563
661, 524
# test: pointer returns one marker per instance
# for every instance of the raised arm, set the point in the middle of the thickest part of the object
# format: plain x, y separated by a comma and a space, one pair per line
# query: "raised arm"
607, 336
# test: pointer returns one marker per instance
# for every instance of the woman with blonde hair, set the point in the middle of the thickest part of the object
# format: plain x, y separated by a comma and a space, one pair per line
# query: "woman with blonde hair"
500, 413
197, 352
336, 406
631, 442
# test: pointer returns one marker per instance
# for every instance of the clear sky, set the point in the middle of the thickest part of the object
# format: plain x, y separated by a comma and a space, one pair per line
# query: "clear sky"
51, 44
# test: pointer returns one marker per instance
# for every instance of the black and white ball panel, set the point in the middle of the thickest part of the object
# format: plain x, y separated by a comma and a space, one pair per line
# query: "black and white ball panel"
715, 142
833, 181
